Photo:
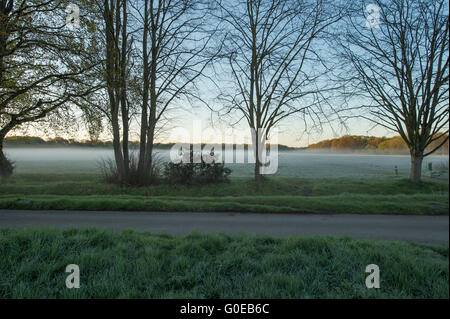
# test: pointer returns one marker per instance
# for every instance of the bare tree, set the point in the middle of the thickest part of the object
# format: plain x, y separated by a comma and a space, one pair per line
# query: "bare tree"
41, 64
115, 15
175, 50
273, 61
400, 65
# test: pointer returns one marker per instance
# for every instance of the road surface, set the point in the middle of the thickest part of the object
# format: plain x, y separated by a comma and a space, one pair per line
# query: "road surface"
427, 229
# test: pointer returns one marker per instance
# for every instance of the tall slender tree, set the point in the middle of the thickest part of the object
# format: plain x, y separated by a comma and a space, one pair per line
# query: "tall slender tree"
115, 15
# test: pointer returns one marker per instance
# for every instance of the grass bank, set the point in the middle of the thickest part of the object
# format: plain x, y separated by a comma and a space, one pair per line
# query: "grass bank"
140, 265
277, 195
418, 204
91, 184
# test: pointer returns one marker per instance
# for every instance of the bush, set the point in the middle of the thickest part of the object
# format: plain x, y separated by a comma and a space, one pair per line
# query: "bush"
172, 173
179, 173
196, 173
213, 173
111, 175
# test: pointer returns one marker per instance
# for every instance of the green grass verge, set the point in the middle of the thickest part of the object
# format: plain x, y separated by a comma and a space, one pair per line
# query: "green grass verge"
276, 195
91, 184
345, 203
140, 265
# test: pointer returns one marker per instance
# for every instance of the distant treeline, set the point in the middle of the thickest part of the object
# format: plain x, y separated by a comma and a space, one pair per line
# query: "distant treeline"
373, 144
24, 141
57, 141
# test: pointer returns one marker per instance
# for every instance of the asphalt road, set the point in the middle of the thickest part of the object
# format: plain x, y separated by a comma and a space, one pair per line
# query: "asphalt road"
427, 229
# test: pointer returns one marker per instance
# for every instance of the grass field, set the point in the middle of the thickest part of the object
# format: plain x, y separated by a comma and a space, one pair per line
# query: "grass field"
288, 195
140, 265
292, 164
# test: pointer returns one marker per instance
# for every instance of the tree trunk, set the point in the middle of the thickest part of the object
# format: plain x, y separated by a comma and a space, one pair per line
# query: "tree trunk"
258, 176
149, 153
152, 120
257, 152
123, 93
125, 138
6, 167
143, 142
416, 168
125, 142
117, 150
146, 86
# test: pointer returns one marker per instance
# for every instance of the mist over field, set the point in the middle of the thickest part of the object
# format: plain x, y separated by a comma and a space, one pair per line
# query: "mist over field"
302, 164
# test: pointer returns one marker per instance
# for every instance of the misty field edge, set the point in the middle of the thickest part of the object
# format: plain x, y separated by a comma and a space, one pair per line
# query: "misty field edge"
417, 204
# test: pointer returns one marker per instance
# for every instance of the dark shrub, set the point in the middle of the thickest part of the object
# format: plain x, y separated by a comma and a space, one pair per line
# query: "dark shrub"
110, 174
213, 173
196, 173
179, 173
